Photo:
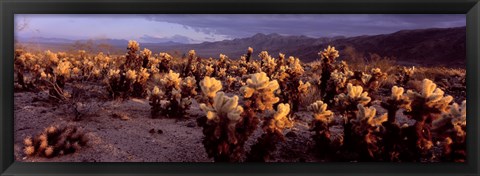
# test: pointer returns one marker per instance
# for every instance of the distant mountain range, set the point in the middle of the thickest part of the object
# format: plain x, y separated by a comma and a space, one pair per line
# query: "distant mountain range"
435, 46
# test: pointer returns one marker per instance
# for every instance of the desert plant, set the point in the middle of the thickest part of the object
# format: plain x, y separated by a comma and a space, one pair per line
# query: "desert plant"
322, 120
426, 106
139, 87
451, 129
397, 100
404, 75
165, 60
210, 87
268, 63
260, 92
222, 139
328, 57
365, 133
273, 133
174, 96
133, 61
55, 141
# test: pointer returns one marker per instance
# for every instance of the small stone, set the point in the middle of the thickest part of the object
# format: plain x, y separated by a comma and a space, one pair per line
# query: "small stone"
152, 131
160, 132
191, 124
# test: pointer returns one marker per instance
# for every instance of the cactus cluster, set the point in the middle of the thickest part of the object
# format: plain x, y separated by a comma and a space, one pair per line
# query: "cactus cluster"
262, 93
54, 141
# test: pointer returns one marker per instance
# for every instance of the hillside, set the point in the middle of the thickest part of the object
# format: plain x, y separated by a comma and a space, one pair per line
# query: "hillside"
428, 47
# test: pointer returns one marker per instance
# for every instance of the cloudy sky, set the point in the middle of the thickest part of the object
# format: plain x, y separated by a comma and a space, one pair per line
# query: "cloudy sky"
189, 28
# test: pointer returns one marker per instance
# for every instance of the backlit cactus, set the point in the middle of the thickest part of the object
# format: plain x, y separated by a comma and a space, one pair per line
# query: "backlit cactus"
322, 119
220, 129
273, 133
55, 141
261, 91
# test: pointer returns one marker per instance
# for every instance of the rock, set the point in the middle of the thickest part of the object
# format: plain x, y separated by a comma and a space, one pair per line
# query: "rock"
152, 131
191, 124
291, 134
160, 132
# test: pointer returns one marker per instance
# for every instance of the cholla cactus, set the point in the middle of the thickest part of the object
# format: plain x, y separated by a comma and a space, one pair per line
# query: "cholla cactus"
260, 91
295, 68
322, 118
223, 107
328, 57
210, 87
249, 54
133, 61
268, 63
431, 100
354, 96
397, 100
365, 120
372, 80
146, 54
222, 138
171, 80
363, 137
188, 86
222, 72
51, 57
175, 99
209, 70
404, 75
280, 119
140, 85
165, 59
230, 83
330, 54
340, 79
63, 69
55, 141
133, 45
273, 133
451, 127
426, 107
303, 87
320, 112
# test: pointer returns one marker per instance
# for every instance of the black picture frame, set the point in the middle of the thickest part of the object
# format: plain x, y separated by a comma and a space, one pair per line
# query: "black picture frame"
8, 167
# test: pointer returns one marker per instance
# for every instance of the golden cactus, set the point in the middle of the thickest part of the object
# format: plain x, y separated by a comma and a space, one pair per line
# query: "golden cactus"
320, 111
210, 86
303, 87
365, 119
171, 79
223, 107
280, 119
131, 75
330, 53
262, 90
354, 96
133, 45
431, 97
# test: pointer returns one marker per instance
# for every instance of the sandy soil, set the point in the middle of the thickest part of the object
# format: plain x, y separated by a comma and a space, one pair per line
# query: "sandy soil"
122, 131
